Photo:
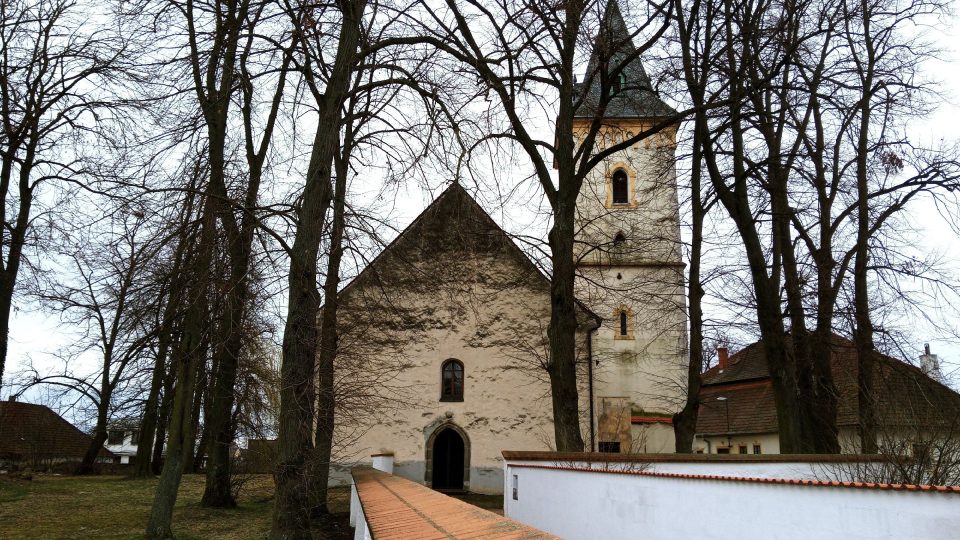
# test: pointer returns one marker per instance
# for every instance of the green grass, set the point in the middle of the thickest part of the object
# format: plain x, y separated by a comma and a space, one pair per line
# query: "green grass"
116, 507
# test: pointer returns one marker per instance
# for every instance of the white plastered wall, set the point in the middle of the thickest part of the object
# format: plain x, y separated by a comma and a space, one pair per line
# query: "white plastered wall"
644, 273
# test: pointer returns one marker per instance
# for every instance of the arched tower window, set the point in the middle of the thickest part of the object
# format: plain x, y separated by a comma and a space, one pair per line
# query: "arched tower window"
451, 381
623, 323
620, 185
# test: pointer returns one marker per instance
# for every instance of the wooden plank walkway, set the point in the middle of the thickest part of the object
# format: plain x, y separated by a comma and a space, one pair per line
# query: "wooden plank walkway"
397, 508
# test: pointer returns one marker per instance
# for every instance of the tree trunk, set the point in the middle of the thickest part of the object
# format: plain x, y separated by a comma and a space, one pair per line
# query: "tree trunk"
291, 513
193, 452
863, 335
17, 236
736, 201
148, 424
562, 331
88, 464
190, 353
5, 300
201, 450
685, 421
163, 420
152, 409
161, 514
326, 401
220, 428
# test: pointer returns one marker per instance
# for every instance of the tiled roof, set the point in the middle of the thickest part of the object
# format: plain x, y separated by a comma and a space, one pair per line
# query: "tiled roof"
604, 457
747, 364
924, 488
746, 408
398, 508
906, 396
36, 433
637, 98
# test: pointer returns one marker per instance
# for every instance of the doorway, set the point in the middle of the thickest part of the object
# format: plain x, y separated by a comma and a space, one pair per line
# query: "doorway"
448, 457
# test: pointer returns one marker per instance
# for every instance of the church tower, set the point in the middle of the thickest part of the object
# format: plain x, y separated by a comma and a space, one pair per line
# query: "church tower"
630, 270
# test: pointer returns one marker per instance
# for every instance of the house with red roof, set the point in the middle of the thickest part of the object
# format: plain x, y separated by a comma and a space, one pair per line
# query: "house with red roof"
738, 414
34, 435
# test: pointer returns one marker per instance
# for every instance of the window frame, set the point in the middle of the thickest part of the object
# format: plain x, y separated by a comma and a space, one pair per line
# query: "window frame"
618, 315
453, 396
620, 171
631, 176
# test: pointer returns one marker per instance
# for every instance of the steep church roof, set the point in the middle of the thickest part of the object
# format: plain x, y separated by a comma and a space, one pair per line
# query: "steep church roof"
454, 220
636, 98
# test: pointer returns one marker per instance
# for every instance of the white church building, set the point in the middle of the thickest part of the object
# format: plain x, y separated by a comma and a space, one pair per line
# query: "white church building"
443, 336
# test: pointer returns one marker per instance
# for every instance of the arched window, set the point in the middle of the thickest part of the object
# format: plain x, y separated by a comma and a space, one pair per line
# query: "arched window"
623, 323
451, 381
620, 185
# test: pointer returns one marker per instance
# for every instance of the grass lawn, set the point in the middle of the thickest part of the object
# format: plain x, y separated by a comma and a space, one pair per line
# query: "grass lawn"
115, 507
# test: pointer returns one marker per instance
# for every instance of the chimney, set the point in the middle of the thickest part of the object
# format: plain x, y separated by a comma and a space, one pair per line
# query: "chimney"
930, 364
723, 358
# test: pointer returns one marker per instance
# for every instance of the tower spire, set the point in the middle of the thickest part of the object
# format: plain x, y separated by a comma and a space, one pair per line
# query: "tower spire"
615, 60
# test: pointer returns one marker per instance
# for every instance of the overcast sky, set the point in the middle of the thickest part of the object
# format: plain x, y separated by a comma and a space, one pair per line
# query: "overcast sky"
36, 335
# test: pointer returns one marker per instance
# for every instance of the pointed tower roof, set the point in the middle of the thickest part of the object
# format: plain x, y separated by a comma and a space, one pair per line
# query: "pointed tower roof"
635, 97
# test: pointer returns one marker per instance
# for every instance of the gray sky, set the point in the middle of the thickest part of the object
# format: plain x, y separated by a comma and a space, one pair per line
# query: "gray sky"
35, 335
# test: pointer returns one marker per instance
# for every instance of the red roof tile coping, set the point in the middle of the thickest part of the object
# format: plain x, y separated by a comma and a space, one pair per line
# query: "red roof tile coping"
651, 420
955, 490
398, 508
604, 457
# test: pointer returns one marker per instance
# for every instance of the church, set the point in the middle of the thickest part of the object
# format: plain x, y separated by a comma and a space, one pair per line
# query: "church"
443, 340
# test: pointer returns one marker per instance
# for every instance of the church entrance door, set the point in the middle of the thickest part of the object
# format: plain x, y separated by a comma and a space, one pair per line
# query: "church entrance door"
448, 461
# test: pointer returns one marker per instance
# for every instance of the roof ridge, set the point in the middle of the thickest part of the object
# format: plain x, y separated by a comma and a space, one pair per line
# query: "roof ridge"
452, 189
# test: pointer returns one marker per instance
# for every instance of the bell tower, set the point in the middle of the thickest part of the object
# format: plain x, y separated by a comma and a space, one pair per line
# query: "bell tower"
630, 270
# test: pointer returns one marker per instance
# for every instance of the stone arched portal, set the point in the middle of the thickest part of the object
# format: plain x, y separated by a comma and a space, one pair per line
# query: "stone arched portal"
448, 458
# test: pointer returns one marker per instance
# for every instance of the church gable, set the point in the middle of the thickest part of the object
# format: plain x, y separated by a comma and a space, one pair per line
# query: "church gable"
453, 225
452, 285
451, 266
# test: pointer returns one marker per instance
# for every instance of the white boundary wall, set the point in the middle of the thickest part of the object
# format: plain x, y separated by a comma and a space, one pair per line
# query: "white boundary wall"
605, 504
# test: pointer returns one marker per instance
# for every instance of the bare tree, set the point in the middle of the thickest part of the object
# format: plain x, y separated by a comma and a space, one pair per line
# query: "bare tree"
806, 121
110, 300
239, 232
58, 72
152, 433
300, 337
